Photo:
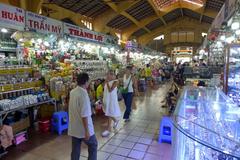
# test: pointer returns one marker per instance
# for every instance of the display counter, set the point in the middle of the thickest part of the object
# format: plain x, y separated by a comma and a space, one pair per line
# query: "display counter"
207, 126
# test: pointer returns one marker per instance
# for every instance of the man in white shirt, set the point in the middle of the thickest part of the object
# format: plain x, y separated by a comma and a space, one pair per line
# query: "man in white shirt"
80, 120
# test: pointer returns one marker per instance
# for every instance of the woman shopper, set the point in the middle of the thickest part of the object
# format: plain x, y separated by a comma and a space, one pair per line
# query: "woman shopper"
128, 82
110, 101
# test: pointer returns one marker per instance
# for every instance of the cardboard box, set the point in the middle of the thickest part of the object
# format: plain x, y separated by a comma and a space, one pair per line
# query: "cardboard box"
21, 125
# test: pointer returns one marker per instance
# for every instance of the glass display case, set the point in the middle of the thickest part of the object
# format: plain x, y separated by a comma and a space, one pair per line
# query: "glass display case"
207, 126
232, 73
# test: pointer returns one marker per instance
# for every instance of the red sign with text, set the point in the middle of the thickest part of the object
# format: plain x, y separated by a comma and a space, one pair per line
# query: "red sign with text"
12, 17
42, 24
82, 33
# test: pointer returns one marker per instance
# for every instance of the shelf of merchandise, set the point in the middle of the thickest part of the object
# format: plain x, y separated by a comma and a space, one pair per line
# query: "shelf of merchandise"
19, 86
232, 73
3, 114
95, 68
206, 125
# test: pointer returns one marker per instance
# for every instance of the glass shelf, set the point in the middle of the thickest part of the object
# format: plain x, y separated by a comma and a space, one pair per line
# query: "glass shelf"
208, 118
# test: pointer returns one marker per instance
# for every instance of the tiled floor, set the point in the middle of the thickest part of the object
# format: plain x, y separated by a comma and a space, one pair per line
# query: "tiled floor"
136, 139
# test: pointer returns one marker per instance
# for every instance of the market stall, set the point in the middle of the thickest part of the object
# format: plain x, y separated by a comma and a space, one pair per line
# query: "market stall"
39, 58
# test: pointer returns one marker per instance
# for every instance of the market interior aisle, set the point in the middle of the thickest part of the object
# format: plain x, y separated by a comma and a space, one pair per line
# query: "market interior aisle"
136, 139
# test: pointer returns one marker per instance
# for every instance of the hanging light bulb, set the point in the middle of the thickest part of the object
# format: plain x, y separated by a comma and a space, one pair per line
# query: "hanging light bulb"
46, 44
39, 40
237, 32
235, 25
4, 30
230, 39
61, 42
223, 38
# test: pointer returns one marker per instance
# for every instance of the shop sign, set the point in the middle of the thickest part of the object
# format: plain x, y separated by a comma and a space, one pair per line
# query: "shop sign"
131, 44
82, 33
12, 17
42, 24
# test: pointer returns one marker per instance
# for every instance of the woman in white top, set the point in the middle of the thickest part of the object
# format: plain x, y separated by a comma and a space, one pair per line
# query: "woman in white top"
110, 101
128, 82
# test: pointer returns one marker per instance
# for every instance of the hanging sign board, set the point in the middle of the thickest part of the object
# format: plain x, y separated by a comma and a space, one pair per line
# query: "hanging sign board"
12, 17
85, 34
42, 24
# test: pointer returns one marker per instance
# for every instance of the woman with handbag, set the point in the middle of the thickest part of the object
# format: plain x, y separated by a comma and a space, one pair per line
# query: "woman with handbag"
129, 83
110, 101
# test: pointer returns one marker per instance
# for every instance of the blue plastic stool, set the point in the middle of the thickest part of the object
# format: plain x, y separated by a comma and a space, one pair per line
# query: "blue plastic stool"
166, 130
60, 122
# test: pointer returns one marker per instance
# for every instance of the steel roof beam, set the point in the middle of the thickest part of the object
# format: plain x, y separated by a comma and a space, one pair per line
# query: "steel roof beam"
125, 14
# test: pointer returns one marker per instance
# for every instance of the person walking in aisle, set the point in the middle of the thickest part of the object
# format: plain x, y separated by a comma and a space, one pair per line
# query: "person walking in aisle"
110, 101
81, 127
128, 82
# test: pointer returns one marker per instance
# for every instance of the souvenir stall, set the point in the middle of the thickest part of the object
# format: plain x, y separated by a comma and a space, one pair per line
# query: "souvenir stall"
21, 90
39, 58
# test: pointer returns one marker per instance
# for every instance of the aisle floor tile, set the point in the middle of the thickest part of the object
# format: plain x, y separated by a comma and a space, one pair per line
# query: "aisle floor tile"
109, 148
136, 154
115, 142
127, 144
136, 133
116, 157
140, 147
120, 136
132, 138
154, 150
145, 141
122, 151
153, 157
103, 155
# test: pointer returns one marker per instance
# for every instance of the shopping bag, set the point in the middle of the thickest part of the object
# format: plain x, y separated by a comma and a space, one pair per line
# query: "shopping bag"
123, 90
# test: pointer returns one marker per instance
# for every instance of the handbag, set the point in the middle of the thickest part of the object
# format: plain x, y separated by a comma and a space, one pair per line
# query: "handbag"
120, 97
125, 90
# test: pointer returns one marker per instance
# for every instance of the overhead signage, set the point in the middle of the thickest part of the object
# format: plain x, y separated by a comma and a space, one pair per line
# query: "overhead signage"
78, 32
12, 17
131, 44
42, 24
